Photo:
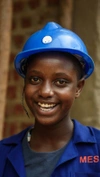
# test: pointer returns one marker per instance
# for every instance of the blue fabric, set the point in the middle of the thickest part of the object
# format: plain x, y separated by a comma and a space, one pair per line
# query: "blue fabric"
81, 157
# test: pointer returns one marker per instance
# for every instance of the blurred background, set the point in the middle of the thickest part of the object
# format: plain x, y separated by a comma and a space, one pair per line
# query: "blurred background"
18, 20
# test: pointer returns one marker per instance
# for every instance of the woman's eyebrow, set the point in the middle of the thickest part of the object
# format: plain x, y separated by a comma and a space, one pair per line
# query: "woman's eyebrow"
61, 74
35, 72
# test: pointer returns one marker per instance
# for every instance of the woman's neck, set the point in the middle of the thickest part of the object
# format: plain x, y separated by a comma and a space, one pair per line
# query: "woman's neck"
50, 138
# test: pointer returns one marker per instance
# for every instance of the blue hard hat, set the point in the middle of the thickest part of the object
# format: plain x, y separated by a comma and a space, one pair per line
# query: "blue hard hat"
53, 37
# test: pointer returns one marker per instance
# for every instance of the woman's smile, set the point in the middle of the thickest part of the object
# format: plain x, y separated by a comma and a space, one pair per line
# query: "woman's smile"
46, 106
47, 109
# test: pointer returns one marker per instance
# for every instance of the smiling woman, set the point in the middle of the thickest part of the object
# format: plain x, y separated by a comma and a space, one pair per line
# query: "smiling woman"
51, 85
54, 64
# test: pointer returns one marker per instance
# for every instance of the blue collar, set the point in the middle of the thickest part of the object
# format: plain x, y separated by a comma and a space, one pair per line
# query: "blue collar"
81, 134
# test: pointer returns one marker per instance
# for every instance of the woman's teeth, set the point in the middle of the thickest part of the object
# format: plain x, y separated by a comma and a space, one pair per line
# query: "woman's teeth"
46, 106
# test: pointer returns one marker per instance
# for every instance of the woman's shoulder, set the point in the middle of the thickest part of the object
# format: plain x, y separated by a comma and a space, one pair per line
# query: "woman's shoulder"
87, 132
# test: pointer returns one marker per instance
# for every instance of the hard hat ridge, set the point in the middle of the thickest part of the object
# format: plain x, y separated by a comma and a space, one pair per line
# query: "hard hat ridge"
53, 37
54, 25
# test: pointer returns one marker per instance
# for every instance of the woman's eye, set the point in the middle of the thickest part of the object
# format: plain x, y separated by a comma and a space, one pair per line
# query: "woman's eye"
35, 80
61, 82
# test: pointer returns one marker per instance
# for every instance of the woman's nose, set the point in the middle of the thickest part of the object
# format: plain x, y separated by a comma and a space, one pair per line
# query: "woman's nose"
46, 90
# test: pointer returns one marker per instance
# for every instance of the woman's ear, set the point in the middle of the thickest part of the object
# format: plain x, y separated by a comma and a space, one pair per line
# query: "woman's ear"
80, 86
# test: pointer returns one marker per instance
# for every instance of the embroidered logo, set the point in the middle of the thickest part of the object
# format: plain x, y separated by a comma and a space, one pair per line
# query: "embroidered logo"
89, 159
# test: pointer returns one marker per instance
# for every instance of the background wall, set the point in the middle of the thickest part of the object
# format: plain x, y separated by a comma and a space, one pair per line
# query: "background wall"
86, 23
81, 16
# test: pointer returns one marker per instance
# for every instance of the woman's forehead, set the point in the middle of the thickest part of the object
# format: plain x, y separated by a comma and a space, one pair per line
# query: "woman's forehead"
52, 55
54, 59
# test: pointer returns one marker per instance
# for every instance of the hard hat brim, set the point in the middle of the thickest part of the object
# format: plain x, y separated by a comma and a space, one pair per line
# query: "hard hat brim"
86, 59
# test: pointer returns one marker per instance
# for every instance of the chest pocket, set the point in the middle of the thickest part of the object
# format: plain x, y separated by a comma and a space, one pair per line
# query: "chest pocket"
87, 175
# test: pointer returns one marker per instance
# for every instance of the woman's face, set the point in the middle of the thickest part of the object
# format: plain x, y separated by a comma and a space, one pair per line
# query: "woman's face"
51, 86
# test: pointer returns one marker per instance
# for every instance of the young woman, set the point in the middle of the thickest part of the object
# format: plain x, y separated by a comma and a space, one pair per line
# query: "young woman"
54, 64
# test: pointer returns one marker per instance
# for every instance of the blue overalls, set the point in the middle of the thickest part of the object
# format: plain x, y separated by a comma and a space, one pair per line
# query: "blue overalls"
81, 158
